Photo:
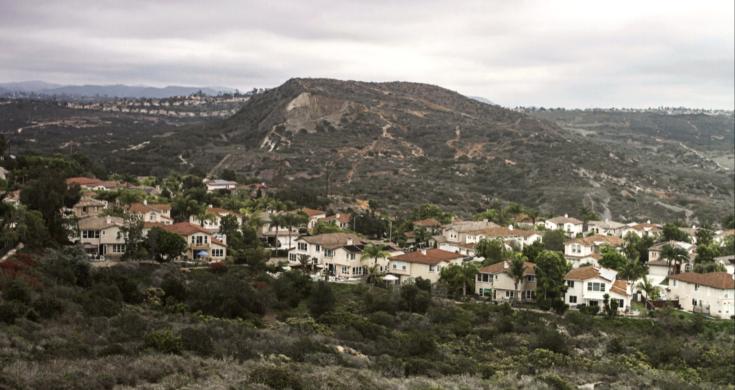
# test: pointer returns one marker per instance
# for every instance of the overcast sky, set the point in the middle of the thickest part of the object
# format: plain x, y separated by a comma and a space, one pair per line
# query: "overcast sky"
550, 53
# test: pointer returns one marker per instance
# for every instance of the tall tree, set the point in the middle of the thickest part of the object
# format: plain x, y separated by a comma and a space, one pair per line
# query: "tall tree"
674, 256
492, 250
132, 234
517, 268
49, 194
459, 277
551, 268
671, 232
649, 288
554, 240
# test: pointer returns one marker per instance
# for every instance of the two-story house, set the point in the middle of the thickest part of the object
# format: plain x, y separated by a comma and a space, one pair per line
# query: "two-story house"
201, 244
494, 281
647, 229
218, 184
424, 263
588, 285
711, 293
89, 207
570, 226
100, 237
341, 220
587, 250
606, 227
213, 218
314, 216
152, 212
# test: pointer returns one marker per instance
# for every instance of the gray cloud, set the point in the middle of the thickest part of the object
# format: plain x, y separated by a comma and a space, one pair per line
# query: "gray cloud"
563, 53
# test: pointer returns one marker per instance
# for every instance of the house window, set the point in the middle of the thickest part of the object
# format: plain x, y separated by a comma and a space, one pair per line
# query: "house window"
292, 257
345, 269
303, 246
118, 248
694, 302
218, 252
696, 287
572, 299
432, 268
395, 266
403, 267
570, 283
351, 256
621, 303
90, 234
328, 253
508, 294
530, 278
318, 248
594, 286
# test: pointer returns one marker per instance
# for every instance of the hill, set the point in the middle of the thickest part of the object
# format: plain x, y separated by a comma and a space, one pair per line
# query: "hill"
407, 143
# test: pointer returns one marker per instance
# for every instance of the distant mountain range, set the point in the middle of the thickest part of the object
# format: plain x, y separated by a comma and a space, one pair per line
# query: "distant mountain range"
116, 90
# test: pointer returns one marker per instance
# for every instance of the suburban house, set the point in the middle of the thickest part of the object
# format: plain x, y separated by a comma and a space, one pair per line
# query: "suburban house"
494, 281
90, 183
462, 236
201, 244
88, 207
100, 237
314, 216
341, 220
424, 263
152, 212
586, 250
588, 285
213, 218
339, 253
570, 226
728, 262
656, 260
711, 293
276, 236
430, 224
642, 229
606, 227
217, 185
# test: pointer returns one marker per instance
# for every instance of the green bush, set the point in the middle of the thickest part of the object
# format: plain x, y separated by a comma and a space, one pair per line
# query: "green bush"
197, 340
322, 300
174, 288
17, 291
164, 340
277, 378
48, 307
551, 340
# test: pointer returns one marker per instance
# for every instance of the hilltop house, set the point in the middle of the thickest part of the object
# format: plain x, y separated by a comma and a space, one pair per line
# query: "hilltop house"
586, 250
339, 253
570, 226
588, 285
213, 218
711, 293
424, 263
341, 220
494, 281
152, 212
100, 237
201, 244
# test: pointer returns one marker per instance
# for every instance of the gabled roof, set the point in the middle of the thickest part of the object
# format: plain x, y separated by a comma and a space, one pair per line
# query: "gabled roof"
86, 201
333, 240
504, 267
719, 280
606, 224
645, 226
620, 287
427, 223
468, 226
184, 229
141, 208
341, 218
428, 257
563, 220
311, 213
589, 272
684, 245
100, 223
504, 232
598, 239
83, 181
220, 211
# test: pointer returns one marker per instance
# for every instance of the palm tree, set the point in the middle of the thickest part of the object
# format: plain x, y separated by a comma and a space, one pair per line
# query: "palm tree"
674, 255
647, 286
294, 219
516, 272
469, 273
375, 252
305, 261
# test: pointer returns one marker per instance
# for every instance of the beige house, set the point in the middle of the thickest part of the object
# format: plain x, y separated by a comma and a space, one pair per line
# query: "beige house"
606, 227
425, 263
314, 217
152, 212
214, 217
340, 254
495, 282
277, 236
89, 207
101, 237
587, 250
711, 293
642, 229
201, 244
341, 220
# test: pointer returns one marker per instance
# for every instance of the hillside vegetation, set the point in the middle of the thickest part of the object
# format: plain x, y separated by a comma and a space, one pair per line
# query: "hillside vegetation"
66, 325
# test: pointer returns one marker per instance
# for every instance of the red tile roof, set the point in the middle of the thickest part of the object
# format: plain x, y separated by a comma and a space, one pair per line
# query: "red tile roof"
144, 208
594, 239
583, 273
719, 280
620, 287
430, 257
83, 181
312, 212
184, 229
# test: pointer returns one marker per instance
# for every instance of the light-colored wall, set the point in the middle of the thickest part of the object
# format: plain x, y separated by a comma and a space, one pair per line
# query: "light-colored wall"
721, 302
585, 296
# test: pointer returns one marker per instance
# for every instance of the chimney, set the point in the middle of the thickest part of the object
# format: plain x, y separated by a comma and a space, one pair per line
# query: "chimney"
505, 265
108, 220
423, 252
510, 227
485, 220
145, 202
648, 221
566, 215
349, 241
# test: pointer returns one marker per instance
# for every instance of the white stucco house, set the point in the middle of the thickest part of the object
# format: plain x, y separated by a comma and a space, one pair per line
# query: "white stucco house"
588, 285
495, 282
425, 263
711, 293
570, 226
